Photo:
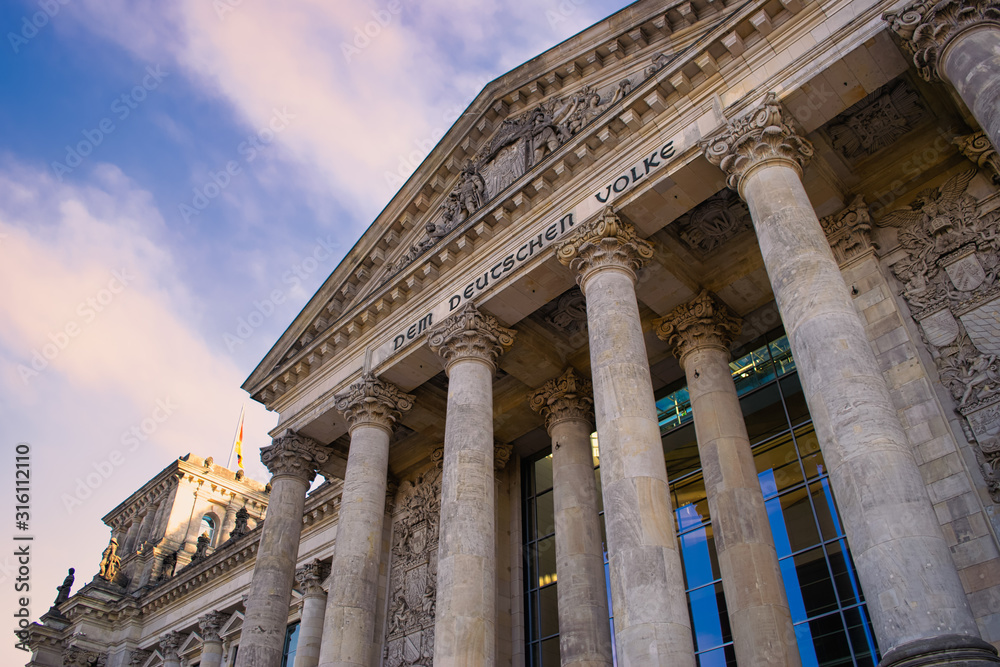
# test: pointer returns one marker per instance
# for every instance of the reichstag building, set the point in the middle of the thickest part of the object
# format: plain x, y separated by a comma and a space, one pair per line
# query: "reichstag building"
681, 348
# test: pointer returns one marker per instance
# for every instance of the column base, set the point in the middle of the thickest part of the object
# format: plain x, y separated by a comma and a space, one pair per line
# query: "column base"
946, 650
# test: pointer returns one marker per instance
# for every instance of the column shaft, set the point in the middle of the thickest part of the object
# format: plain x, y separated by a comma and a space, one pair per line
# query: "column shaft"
584, 630
465, 621
311, 630
647, 584
911, 585
292, 460
211, 653
971, 62
228, 521
349, 625
271, 590
748, 563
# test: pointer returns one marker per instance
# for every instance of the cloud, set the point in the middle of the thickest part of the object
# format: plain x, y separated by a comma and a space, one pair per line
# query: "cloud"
368, 82
98, 355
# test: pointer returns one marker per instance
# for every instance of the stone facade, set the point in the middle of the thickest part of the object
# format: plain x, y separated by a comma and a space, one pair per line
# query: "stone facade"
600, 232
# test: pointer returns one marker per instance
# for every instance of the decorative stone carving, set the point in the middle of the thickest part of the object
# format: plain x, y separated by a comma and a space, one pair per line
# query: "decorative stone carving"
65, 589
570, 313
877, 121
170, 645
949, 278
715, 221
470, 334
517, 145
702, 321
77, 657
201, 550
110, 562
567, 397
658, 62
370, 401
241, 526
294, 454
168, 567
310, 577
501, 455
850, 231
413, 571
760, 136
926, 28
977, 147
604, 242
211, 624
138, 657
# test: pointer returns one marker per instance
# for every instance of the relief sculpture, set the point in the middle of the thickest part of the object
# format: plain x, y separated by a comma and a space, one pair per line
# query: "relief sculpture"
949, 278
413, 571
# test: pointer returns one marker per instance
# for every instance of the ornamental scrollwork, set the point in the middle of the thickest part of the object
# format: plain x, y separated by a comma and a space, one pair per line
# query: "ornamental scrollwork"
294, 454
374, 402
607, 241
761, 135
469, 334
703, 321
560, 399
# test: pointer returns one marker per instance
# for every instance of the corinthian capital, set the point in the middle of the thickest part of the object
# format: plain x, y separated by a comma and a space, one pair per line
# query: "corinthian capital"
759, 137
469, 334
211, 624
370, 401
294, 454
604, 243
926, 28
850, 231
170, 644
310, 577
566, 397
703, 321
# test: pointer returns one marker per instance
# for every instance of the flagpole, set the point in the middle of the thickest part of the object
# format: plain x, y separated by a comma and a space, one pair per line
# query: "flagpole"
236, 438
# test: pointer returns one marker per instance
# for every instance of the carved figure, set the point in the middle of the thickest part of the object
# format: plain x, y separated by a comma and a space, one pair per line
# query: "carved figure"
982, 371
64, 590
400, 610
110, 562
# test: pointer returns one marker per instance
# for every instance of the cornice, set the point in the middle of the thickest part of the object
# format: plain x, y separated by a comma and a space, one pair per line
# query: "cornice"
662, 90
651, 101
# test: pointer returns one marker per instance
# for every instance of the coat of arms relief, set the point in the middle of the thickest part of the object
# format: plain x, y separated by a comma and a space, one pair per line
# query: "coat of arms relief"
949, 277
413, 571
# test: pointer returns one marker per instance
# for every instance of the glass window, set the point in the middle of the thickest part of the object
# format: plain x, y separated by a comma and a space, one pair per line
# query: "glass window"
291, 644
827, 606
208, 528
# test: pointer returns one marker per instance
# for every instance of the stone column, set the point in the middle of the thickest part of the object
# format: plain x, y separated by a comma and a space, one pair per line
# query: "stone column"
228, 521
958, 41
371, 408
211, 644
918, 607
146, 526
131, 535
584, 631
652, 625
465, 617
170, 645
700, 333
310, 579
292, 460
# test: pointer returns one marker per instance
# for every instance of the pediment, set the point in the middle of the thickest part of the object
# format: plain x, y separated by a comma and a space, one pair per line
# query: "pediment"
507, 148
191, 645
233, 626
155, 659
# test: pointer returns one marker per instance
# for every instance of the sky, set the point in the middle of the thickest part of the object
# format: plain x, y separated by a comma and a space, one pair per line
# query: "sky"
166, 170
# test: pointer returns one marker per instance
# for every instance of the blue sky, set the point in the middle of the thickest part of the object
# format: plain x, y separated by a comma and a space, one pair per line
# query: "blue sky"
166, 168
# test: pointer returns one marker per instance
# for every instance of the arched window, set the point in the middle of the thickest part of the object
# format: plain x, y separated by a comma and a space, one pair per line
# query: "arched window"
208, 527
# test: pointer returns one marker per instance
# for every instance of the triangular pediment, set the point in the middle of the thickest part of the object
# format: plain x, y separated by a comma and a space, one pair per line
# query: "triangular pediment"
191, 644
507, 147
155, 659
233, 626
